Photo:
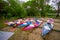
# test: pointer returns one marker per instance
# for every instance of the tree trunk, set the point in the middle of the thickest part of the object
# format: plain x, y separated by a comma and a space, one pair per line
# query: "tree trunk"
58, 11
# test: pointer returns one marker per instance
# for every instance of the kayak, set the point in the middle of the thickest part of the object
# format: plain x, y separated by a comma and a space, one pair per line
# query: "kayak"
31, 26
46, 28
25, 24
22, 25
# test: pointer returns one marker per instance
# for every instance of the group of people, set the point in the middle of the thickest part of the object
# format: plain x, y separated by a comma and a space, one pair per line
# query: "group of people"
29, 23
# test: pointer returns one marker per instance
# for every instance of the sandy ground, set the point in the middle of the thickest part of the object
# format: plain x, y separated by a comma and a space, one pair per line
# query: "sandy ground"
53, 36
35, 35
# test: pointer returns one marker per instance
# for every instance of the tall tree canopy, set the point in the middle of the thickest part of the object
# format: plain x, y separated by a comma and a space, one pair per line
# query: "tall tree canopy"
15, 8
39, 6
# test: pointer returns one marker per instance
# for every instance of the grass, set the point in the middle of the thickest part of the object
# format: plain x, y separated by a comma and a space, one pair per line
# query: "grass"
2, 21
2, 24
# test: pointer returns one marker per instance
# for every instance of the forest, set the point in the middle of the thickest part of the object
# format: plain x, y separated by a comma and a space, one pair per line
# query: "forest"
17, 9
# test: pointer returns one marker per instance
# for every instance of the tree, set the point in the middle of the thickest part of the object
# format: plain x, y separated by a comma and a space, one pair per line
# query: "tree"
30, 6
12, 8
39, 6
58, 11
3, 11
57, 4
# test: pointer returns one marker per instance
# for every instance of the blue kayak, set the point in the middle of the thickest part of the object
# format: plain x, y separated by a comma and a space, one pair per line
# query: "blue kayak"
46, 28
25, 24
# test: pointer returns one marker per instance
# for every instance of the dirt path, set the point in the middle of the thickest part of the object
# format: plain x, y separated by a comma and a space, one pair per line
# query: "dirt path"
53, 36
25, 35
35, 35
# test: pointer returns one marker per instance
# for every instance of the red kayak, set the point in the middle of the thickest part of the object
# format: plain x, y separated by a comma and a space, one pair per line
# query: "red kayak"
31, 26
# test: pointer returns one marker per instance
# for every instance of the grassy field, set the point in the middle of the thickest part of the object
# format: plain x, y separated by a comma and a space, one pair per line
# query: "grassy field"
2, 21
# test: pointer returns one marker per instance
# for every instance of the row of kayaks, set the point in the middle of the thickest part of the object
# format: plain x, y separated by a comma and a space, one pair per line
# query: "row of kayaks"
30, 23
27, 23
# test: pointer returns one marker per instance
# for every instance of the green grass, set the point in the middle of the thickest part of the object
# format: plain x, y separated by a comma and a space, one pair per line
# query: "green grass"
2, 21
2, 24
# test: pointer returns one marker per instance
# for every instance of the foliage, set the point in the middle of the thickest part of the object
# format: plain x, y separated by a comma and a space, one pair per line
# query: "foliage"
38, 8
13, 8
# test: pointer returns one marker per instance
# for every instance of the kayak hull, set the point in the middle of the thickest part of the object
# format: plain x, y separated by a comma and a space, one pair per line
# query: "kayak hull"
46, 29
31, 27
